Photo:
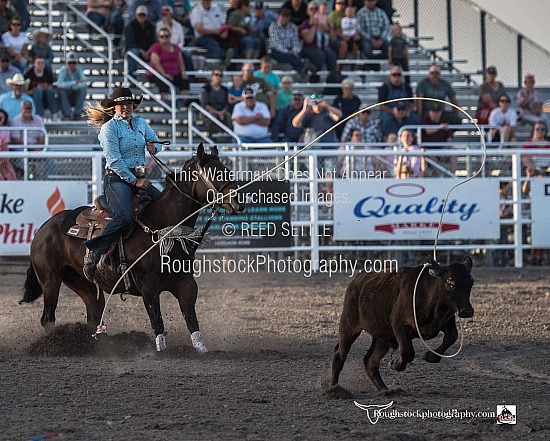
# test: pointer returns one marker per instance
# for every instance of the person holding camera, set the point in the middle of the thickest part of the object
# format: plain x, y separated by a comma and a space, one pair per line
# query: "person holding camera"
317, 116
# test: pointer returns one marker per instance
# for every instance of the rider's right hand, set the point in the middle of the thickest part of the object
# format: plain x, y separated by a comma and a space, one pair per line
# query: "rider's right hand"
142, 183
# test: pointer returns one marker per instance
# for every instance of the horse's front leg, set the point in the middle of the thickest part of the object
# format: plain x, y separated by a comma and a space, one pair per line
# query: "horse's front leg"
186, 292
151, 299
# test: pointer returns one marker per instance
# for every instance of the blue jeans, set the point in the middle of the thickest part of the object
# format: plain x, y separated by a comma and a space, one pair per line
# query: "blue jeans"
249, 140
96, 18
289, 58
45, 96
211, 45
72, 98
366, 48
119, 197
319, 57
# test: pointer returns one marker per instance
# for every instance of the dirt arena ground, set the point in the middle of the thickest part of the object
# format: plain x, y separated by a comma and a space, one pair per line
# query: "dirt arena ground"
270, 340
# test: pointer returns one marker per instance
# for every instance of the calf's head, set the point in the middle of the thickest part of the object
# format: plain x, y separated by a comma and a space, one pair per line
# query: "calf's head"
456, 286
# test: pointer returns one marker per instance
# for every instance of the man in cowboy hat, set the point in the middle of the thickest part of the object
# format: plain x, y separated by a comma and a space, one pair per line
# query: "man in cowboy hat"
71, 88
11, 101
124, 137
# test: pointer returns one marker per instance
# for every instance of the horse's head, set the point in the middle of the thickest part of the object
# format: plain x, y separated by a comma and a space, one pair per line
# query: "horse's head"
211, 181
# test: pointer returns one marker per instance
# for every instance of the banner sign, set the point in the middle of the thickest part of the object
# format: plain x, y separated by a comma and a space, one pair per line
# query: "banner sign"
397, 209
265, 223
540, 212
25, 206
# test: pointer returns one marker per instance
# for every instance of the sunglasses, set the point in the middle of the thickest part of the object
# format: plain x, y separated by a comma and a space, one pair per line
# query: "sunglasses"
141, 15
72, 62
216, 74
340, 3
396, 74
286, 82
164, 36
540, 129
435, 72
504, 101
16, 24
250, 69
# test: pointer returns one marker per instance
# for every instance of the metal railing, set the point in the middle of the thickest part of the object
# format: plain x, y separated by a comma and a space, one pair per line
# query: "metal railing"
25, 146
192, 128
461, 29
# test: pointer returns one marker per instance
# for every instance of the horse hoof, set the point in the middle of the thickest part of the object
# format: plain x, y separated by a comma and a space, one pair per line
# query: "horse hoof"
196, 339
160, 341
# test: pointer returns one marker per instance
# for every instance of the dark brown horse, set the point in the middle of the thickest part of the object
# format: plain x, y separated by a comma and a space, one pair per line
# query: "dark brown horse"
57, 258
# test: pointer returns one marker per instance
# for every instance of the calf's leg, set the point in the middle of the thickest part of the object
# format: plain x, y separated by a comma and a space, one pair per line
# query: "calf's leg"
406, 349
341, 351
372, 358
450, 334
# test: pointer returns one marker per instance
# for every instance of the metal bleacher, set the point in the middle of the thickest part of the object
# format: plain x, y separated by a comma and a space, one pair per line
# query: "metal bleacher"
78, 132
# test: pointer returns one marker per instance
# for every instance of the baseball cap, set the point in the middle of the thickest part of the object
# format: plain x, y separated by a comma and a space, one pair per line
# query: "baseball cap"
436, 107
492, 70
529, 76
401, 105
259, 5
248, 92
142, 10
364, 106
71, 56
297, 94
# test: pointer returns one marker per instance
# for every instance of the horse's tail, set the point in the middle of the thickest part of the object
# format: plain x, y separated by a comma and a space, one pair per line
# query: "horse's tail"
33, 290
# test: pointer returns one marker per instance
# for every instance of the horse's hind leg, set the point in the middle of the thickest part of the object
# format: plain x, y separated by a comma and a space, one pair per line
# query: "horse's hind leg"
186, 292
51, 282
88, 293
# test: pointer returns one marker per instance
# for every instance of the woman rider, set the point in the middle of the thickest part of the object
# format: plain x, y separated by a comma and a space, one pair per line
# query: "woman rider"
124, 137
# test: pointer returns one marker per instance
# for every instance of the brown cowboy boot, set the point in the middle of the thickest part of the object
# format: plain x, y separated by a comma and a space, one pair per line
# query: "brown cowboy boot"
89, 267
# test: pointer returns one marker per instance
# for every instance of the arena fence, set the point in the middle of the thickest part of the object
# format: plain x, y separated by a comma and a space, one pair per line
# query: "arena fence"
313, 175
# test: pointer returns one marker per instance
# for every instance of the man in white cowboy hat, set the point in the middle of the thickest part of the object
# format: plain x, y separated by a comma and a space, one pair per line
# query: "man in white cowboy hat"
71, 88
41, 46
11, 101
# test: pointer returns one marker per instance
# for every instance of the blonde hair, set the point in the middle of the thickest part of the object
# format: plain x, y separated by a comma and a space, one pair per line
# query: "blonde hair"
98, 115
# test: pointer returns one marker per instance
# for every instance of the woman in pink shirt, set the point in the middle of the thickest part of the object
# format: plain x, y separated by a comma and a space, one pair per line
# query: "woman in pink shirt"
166, 59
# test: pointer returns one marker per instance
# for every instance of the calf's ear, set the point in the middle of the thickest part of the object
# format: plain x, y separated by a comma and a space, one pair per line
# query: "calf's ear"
468, 263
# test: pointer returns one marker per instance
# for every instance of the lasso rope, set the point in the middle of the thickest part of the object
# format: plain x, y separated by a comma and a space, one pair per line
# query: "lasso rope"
102, 328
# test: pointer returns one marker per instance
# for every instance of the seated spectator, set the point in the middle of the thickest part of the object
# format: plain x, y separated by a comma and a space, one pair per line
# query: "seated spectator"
537, 164
335, 21
527, 95
97, 11
251, 119
26, 118
41, 87
234, 93
11, 101
439, 134
72, 87
140, 35
262, 19
316, 41
394, 89
177, 34
398, 50
374, 28
283, 97
400, 118
298, 10
506, 118
347, 102
436, 87
489, 93
214, 98
263, 89
7, 170
167, 60
16, 44
285, 43
6, 14
370, 131
7, 71
241, 32
536, 114
347, 164
350, 32
409, 166
41, 47
283, 121
266, 73
153, 9
22, 11
317, 117
210, 29
115, 21
182, 11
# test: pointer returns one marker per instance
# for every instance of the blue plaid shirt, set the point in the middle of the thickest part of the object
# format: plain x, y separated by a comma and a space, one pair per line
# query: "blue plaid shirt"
371, 132
373, 23
124, 147
284, 39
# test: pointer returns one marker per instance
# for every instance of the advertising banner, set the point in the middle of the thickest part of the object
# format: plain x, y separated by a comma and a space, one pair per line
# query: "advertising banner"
397, 209
540, 212
25, 206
